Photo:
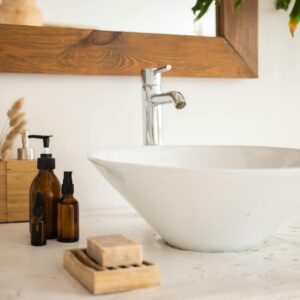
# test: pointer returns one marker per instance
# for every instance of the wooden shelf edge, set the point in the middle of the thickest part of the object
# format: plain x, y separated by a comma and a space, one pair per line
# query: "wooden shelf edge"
52, 50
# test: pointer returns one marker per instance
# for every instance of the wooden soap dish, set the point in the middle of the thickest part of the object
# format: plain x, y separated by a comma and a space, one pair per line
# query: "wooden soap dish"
101, 280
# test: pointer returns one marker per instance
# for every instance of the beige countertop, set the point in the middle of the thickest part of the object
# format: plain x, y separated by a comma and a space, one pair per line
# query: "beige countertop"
271, 271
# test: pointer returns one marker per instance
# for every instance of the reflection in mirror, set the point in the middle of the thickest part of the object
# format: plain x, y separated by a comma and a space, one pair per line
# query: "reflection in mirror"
20, 12
152, 16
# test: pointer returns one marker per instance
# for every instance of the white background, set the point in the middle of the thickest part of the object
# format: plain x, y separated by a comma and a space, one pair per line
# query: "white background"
157, 16
86, 113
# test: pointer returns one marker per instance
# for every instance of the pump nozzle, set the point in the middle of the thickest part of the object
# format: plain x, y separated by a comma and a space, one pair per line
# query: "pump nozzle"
45, 138
45, 162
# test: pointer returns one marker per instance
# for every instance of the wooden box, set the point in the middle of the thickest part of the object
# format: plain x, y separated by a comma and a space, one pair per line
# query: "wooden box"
102, 280
15, 180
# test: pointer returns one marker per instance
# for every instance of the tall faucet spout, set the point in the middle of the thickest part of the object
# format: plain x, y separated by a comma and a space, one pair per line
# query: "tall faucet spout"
153, 98
174, 96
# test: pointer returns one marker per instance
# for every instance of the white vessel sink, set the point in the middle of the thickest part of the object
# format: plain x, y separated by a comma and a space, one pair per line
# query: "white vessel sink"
207, 198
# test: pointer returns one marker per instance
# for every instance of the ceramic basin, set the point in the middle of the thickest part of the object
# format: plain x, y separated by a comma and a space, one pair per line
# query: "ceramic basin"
207, 198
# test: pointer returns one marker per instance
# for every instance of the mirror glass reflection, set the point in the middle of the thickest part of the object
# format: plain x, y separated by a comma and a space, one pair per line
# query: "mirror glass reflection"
151, 16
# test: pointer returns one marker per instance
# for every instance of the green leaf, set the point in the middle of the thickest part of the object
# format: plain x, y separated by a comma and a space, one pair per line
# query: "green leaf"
201, 7
294, 17
283, 4
238, 3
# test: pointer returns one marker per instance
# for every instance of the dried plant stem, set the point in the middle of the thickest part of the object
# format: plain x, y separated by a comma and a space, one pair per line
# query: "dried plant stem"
16, 107
6, 155
17, 123
4, 131
17, 117
10, 138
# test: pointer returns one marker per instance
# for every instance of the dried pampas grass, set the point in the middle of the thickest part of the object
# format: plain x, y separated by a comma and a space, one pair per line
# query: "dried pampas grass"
6, 155
15, 109
17, 119
15, 124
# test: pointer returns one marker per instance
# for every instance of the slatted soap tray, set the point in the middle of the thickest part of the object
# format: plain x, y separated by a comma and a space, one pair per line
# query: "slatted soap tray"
102, 280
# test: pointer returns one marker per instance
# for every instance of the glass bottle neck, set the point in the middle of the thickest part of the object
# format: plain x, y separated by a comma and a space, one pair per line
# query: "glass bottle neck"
45, 171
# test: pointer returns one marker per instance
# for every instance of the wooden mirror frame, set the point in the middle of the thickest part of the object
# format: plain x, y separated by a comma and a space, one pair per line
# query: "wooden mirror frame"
54, 50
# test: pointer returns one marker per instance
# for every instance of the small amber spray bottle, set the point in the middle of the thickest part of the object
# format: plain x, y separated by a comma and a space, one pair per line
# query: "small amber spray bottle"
67, 212
38, 222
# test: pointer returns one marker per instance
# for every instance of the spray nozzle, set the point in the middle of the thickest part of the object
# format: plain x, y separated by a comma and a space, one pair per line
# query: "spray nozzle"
45, 138
67, 186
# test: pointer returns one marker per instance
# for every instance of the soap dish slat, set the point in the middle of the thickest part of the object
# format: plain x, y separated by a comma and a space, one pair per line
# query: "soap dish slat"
100, 280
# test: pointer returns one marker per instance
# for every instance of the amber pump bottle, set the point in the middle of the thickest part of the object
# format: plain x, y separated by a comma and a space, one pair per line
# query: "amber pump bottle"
67, 212
48, 185
38, 222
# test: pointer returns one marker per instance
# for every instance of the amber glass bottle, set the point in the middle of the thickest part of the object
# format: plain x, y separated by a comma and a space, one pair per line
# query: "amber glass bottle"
38, 222
48, 185
67, 212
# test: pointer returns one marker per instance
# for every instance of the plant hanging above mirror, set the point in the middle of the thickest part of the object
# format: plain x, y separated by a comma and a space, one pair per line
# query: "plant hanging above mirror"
201, 7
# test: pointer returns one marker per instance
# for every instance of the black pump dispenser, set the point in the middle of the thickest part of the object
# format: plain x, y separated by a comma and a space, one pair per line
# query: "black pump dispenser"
48, 184
45, 138
46, 161
67, 186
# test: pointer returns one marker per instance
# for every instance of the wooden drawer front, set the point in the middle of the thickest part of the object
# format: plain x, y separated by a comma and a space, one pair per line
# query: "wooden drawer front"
18, 175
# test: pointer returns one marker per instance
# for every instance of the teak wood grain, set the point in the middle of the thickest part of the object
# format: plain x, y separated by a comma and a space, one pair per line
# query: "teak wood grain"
3, 202
240, 29
19, 178
15, 180
94, 52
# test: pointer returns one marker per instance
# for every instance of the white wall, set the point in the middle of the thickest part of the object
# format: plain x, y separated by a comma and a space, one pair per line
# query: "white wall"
86, 113
156, 16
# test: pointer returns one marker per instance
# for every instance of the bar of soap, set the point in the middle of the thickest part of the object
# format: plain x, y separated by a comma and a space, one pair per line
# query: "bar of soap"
114, 251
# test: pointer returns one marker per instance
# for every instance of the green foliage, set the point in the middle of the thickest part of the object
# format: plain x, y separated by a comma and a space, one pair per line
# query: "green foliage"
237, 3
283, 4
201, 7
294, 17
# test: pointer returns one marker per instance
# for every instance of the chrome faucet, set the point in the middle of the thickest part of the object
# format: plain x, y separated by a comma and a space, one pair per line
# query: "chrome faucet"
153, 98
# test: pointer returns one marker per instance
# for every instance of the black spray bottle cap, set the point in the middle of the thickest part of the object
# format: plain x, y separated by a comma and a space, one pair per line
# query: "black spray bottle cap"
46, 161
67, 186
38, 208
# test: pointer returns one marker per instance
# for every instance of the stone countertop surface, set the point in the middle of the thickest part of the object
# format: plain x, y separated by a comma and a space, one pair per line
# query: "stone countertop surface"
270, 271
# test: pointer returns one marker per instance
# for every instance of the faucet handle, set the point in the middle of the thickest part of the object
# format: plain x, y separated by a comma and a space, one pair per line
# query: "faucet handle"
162, 70
152, 76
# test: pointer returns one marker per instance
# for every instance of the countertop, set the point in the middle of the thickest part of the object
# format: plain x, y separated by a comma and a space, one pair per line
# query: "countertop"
270, 271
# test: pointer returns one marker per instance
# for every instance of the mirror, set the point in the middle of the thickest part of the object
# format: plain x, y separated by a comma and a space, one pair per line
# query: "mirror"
152, 16
86, 51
